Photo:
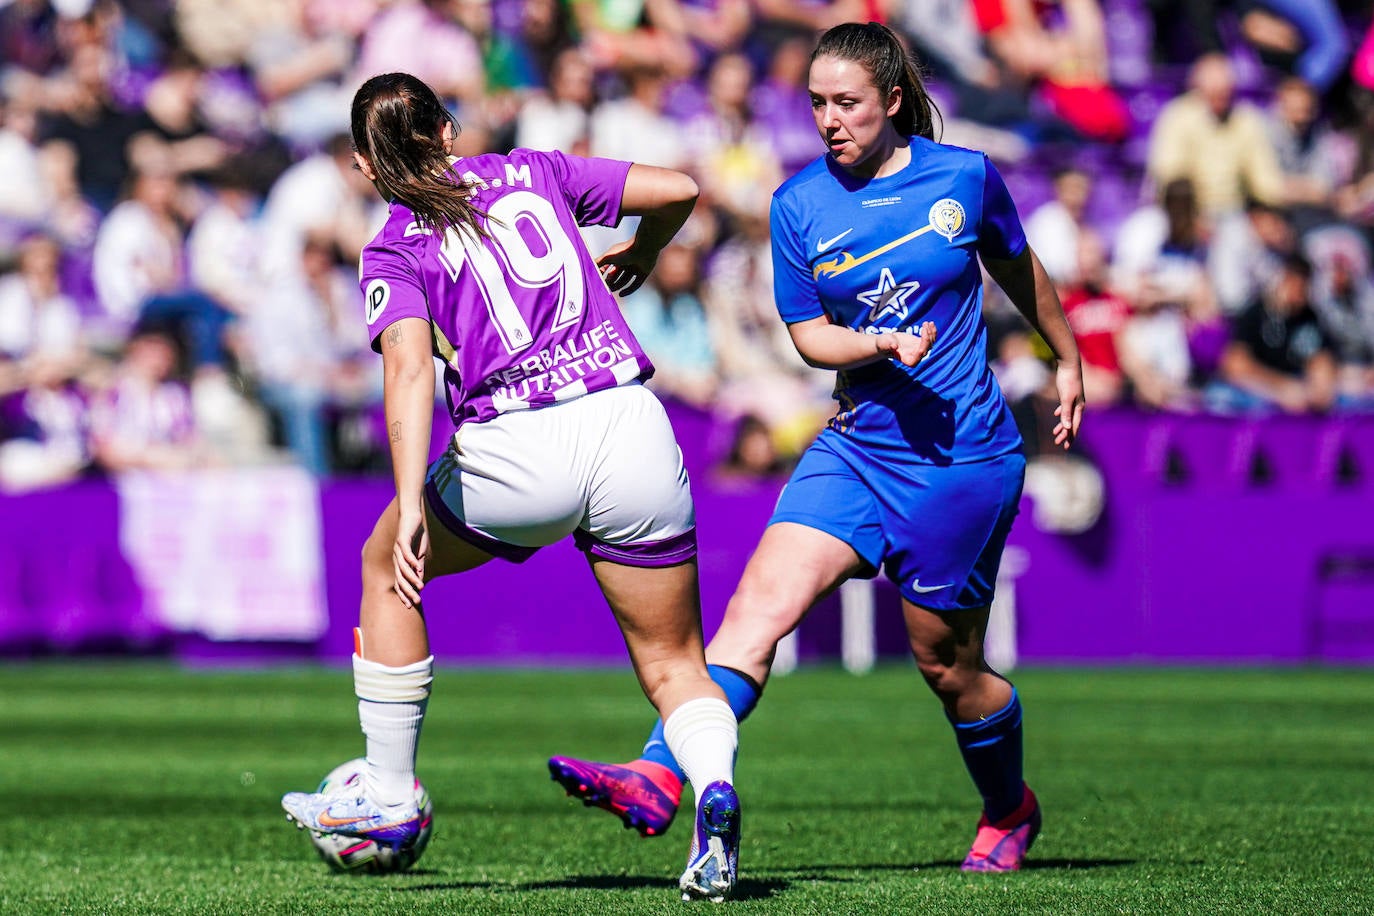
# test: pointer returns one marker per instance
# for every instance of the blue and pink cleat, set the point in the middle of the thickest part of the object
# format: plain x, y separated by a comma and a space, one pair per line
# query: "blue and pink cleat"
353, 815
643, 794
713, 862
1002, 846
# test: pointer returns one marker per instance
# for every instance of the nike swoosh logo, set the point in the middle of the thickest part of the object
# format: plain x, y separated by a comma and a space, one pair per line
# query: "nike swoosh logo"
920, 589
846, 261
822, 245
328, 820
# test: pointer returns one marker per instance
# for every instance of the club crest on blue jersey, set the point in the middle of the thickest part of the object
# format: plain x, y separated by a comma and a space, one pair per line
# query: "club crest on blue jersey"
947, 217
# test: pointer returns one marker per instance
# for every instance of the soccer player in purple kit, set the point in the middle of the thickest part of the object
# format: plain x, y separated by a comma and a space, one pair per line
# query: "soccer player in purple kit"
919, 474
480, 263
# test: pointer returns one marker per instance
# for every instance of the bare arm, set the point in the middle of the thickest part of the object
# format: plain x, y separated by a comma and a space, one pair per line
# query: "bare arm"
663, 198
666, 15
1320, 378
1240, 368
325, 57
408, 393
722, 26
1030, 289
1316, 390
832, 346
817, 18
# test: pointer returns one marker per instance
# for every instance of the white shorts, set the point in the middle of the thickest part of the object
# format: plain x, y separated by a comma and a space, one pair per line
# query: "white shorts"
604, 466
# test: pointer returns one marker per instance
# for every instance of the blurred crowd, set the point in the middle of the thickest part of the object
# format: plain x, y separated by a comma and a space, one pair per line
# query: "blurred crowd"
180, 220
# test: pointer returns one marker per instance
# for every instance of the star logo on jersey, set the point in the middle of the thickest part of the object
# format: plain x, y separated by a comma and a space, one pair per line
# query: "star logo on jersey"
947, 217
888, 297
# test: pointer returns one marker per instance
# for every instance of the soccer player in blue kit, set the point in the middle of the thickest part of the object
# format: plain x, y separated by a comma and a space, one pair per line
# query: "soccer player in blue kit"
919, 473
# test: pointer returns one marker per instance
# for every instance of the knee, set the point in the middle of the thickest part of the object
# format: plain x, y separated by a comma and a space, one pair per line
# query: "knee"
948, 679
662, 673
666, 678
376, 563
755, 620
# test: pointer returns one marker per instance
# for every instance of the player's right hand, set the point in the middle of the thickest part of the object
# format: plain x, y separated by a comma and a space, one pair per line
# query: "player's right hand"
408, 555
1068, 379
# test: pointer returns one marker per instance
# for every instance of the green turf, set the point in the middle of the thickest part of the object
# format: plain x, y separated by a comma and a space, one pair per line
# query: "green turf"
143, 789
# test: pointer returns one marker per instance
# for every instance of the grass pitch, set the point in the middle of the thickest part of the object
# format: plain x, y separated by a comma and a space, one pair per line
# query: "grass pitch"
139, 788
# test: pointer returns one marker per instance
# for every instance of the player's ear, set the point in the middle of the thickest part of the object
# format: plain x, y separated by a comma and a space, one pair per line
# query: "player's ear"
447, 136
894, 101
364, 166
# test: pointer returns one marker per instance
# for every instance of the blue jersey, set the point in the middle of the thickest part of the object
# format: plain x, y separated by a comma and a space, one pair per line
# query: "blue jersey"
887, 254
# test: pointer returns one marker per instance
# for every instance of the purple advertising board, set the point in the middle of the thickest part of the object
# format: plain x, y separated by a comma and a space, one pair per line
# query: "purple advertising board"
1219, 540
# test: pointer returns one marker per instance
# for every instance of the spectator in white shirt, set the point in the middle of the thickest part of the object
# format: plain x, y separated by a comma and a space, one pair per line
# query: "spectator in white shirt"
1053, 228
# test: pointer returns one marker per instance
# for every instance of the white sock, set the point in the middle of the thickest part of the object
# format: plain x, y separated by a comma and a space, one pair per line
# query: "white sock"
391, 708
703, 735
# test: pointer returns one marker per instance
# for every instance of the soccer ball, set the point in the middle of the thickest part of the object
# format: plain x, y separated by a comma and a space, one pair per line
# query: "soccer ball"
354, 854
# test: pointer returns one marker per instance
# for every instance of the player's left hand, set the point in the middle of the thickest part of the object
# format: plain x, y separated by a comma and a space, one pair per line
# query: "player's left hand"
626, 266
909, 349
1068, 380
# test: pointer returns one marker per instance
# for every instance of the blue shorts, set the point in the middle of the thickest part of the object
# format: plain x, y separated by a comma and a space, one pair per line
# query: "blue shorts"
937, 531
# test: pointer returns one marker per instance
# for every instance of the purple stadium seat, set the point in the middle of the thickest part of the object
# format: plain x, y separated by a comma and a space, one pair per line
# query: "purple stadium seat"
1129, 35
1030, 187
1116, 195
1145, 104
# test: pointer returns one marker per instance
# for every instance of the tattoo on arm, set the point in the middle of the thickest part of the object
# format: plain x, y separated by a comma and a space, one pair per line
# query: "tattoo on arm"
393, 335
396, 431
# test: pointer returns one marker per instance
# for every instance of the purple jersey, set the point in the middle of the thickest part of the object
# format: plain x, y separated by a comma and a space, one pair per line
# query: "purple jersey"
522, 318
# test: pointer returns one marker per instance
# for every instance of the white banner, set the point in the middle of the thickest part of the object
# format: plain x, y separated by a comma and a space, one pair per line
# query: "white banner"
232, 554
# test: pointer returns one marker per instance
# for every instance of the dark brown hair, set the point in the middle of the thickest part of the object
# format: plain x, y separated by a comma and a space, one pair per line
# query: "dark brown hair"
397, 123
878, 49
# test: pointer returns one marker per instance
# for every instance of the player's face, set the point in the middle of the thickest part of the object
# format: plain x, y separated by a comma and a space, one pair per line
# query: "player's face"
852, 115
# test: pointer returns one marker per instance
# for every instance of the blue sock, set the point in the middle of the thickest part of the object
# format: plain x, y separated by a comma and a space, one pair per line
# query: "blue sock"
992, 753
741, 692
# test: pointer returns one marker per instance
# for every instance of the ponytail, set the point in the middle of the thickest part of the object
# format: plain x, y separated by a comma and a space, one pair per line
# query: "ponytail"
878, 49
397, 125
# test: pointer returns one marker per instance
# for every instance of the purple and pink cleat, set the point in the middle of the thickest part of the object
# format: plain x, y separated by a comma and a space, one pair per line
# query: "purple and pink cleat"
644, 795
1002, 846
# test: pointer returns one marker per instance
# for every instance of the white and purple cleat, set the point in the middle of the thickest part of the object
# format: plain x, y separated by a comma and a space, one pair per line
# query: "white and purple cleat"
713, 863
354, 815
